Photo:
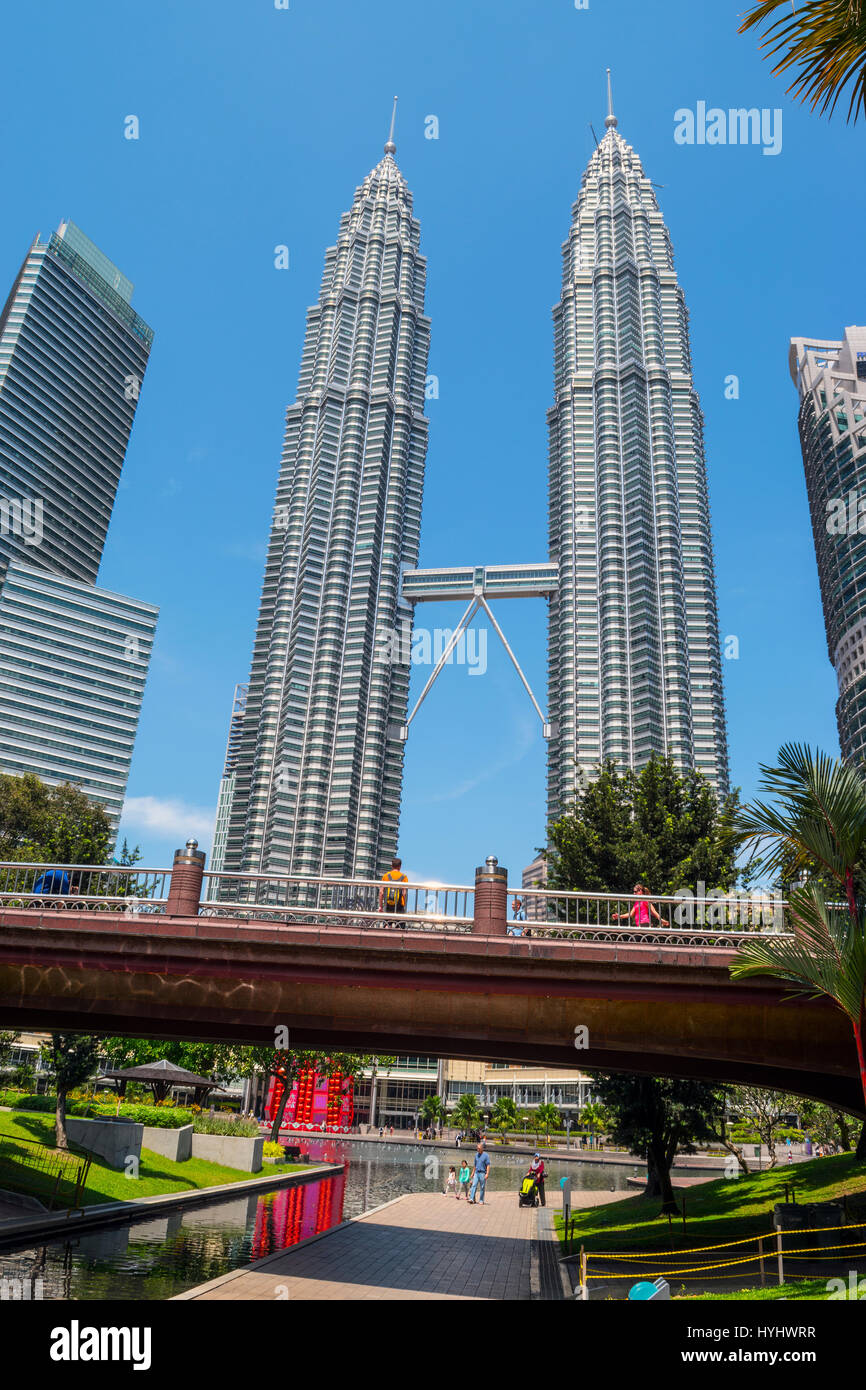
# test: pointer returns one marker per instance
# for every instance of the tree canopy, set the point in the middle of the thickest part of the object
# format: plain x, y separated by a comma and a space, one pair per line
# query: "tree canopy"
659, 827
59, 825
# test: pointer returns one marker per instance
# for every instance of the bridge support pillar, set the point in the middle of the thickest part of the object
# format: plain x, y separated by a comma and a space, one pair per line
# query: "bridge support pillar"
491, 899
184, 894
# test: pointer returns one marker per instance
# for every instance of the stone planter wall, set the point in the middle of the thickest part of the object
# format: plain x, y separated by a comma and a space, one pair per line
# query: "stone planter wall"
175, 1144
229, 1150
113, 1140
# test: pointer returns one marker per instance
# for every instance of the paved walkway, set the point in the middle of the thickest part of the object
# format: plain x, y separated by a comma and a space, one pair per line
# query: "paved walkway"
422, 1246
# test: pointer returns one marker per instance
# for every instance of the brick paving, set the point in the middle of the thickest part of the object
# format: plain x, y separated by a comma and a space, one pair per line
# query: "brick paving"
422, 1246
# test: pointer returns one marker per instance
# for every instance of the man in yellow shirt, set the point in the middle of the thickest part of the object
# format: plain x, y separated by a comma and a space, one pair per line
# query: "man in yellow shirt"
391, 898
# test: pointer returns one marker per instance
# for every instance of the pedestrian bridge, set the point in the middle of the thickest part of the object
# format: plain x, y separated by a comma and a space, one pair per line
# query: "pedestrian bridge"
181, 954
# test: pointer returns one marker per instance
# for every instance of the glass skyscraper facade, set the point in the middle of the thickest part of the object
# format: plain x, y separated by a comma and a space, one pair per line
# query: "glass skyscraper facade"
319, 765
831, 382
634, 653
73, 657
73, 664
73, 354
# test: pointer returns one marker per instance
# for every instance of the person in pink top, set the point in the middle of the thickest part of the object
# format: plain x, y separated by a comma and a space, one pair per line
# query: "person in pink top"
642, 912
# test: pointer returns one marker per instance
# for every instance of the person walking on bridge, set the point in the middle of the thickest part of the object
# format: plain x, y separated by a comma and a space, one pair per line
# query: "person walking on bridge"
393, 899
642, 911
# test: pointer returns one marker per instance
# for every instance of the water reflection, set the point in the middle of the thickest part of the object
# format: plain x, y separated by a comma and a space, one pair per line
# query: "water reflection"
165, 1255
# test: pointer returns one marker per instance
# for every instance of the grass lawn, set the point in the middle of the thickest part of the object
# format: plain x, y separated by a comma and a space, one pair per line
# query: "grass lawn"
813, 1290
157, 1175
725, 1210
728, 1209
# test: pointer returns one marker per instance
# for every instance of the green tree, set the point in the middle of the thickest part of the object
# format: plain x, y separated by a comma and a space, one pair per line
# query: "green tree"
57, 825
213, 1060
814, 829
764, 1111
433, 1111
659, 827
8, 1042
467, 1112
595, 1118
548, 1117
504, 1114
73, 1058
824, 42
658, 1117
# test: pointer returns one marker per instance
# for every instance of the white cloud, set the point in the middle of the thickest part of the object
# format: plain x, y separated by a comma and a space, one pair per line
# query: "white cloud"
169, 817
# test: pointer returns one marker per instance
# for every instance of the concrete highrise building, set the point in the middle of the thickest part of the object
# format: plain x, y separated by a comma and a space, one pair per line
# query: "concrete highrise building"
227, 784
73, 354
73, 657
634, 655
73, 664
319, 762
831, 382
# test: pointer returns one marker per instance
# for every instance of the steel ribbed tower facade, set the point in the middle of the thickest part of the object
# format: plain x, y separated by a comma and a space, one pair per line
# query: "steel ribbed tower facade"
634, 657
319, 761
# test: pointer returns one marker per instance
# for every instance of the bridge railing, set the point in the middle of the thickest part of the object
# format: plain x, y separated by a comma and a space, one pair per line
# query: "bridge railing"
83, 887
707, 919
336, 902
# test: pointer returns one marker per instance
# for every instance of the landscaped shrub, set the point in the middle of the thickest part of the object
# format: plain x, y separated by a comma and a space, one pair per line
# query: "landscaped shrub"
223, 1124
273, 1150
158, 1116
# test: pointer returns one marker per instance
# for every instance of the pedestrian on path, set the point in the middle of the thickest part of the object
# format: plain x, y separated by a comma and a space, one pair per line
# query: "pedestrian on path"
536, 1168
482, 1172
451, 1184
463, 1180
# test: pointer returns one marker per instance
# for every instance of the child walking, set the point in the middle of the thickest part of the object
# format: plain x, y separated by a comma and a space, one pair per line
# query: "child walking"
451, 1185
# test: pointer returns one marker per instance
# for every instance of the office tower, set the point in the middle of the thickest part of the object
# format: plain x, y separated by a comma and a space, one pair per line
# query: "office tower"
73, 664
634, 659
73, 353
227, 784
831, 381
319, 767
73, 658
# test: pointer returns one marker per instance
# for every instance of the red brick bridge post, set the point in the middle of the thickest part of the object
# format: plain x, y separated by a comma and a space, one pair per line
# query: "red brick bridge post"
184, 894
491, 899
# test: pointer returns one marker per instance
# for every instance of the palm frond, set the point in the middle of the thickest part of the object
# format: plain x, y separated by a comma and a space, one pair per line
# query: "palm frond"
826, 40
827, 955
818, 821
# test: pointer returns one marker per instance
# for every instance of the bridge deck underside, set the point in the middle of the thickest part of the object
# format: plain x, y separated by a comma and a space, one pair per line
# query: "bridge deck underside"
657, 1010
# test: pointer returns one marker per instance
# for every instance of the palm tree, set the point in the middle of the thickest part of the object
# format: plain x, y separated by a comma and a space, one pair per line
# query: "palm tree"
433, 1110
594, 1117
547, 1115
504, 1114
818, 829
825, 40
467, 1113
827, 957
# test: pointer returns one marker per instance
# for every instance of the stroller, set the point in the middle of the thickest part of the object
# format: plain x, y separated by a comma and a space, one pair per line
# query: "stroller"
528, 1196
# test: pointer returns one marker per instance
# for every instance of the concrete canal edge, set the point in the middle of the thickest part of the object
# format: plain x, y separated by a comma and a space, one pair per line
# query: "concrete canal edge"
57, 1224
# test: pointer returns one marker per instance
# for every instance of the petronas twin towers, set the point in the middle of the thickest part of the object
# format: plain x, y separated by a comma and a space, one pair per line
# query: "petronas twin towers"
634, 663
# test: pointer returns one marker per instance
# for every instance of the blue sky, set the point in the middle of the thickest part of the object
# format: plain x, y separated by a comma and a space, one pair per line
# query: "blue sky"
256, 124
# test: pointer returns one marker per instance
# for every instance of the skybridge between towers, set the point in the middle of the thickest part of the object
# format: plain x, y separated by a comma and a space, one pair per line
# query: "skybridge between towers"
475, 585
